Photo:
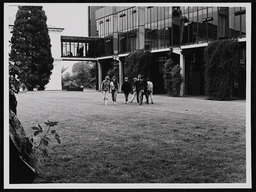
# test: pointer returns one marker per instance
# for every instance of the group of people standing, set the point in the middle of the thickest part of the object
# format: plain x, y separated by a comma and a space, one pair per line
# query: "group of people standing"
141, 87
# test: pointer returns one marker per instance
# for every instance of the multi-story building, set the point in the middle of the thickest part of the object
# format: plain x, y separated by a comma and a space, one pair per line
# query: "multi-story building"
187, 30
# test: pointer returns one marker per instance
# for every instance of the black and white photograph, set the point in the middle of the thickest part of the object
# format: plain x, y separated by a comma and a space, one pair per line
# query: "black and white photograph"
127, 95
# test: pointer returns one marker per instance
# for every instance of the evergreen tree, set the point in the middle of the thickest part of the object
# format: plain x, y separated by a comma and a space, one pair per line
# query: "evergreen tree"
31, 48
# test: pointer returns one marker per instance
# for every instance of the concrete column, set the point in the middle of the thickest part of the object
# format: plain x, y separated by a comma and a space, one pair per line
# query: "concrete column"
121, 75
182, 72
99, 75
115, 34
140, 40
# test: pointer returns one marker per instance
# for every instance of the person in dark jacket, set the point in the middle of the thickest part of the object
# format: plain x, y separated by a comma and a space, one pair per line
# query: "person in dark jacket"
138, 86
126, 88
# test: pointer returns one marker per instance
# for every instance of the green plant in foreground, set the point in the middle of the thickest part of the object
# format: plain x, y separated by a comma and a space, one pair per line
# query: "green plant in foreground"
42, 138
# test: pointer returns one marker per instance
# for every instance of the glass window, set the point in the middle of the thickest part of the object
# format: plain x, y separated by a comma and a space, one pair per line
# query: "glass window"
243, 28
154, 14
168, 12
64, 47
129, 20
120, 21
160, 13
237, 20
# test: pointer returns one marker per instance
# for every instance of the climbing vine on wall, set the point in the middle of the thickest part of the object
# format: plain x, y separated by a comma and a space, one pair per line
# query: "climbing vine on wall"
221, 66
138, 62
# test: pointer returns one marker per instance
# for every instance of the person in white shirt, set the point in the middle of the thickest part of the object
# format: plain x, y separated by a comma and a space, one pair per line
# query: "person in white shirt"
150, 89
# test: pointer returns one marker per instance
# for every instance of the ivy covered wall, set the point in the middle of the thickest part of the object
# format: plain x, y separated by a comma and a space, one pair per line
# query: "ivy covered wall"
221, 66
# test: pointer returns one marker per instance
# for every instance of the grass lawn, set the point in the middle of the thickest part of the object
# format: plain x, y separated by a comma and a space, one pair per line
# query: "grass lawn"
175, 140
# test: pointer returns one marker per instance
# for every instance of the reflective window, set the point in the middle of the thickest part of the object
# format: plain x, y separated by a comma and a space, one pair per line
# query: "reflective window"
169, 26
237, 22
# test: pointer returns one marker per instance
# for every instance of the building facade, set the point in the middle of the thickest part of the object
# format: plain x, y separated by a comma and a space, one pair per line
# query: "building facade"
187, 30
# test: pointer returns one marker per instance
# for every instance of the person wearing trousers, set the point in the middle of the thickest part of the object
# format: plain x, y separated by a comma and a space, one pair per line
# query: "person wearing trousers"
105, 88
145, 92
114, 87
150, 90
138, 86
134, 90
126, 88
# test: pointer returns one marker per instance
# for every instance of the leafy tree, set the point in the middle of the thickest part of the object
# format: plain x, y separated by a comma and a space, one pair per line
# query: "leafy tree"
67, 81
83, 74
31, 60
114, 70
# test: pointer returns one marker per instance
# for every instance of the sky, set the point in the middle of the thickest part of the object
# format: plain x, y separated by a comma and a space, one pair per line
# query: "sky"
73, 17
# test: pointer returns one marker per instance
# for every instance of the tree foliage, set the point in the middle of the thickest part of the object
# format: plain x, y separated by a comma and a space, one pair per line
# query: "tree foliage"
221, 65
172, 78
114, 70
138, 62
83, 74
31, 60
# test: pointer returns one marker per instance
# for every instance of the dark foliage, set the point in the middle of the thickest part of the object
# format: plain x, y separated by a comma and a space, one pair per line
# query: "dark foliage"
114, 70
176, 80
172, 78
221, 66
138, 62
30, 58
12, 102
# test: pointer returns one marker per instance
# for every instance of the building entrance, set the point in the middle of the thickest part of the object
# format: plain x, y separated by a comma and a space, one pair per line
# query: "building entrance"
194, 65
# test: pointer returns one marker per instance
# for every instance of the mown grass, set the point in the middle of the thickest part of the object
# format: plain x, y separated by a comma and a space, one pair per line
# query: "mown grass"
175, 140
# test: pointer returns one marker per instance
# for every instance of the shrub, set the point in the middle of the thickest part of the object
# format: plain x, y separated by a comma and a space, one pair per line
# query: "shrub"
221, 65
176, 80
172, 78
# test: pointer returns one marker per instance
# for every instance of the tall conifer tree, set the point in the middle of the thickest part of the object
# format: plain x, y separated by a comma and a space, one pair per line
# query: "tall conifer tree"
31, 48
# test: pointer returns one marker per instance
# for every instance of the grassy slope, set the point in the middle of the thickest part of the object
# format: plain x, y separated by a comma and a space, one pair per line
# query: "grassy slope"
175, 140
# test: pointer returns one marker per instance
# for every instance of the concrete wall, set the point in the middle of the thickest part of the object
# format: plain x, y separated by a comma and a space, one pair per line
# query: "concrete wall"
55, 78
